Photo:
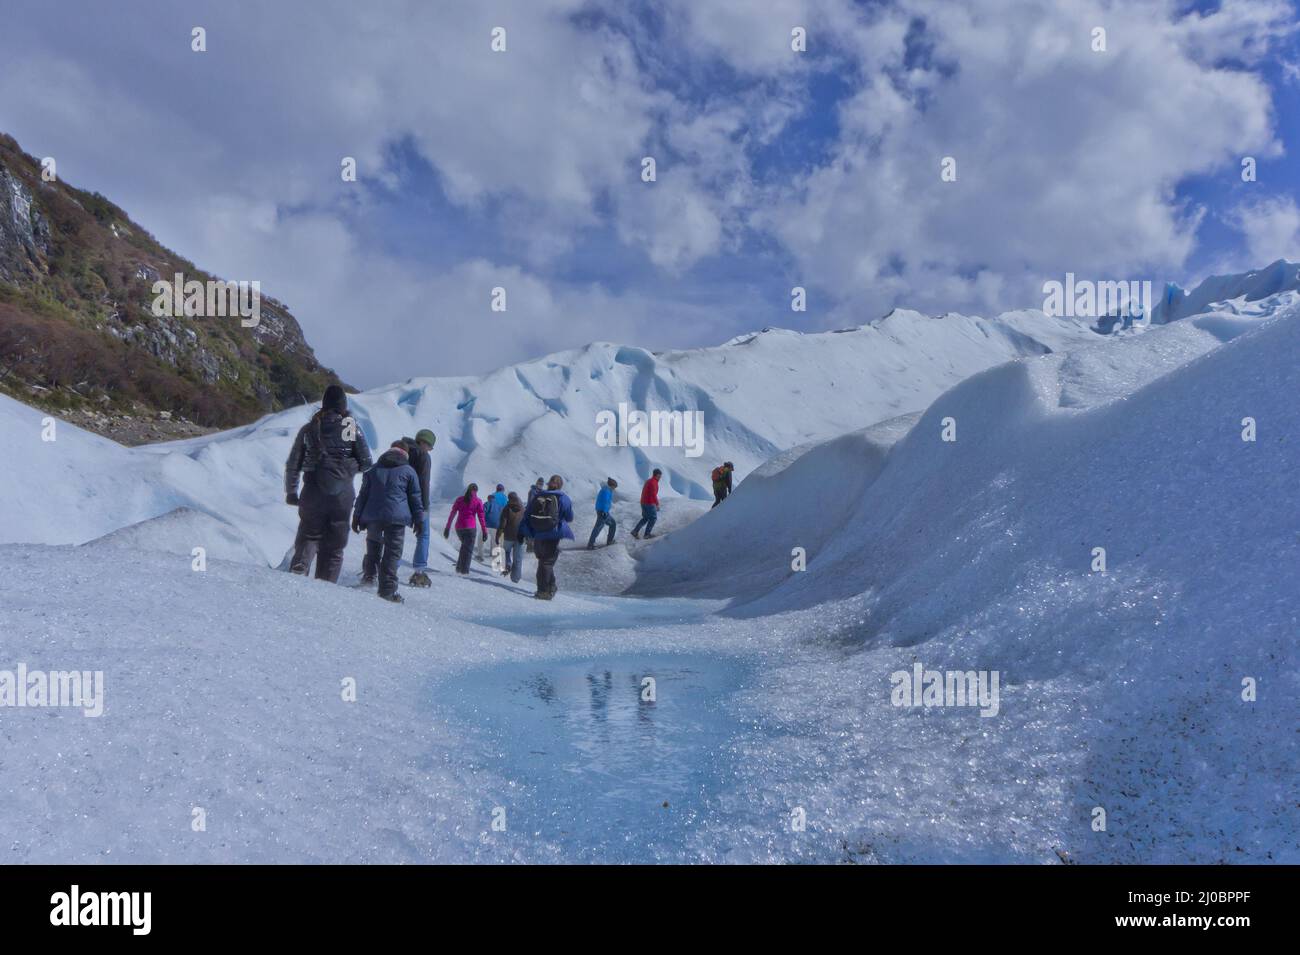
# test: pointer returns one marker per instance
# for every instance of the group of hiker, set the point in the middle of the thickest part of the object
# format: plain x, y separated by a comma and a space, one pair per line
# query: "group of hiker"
330, 450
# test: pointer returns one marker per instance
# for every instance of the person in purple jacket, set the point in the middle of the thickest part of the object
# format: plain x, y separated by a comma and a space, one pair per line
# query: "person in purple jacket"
466, 512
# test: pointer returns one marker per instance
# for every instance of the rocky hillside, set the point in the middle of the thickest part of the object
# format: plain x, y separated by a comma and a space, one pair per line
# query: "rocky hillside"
79, 337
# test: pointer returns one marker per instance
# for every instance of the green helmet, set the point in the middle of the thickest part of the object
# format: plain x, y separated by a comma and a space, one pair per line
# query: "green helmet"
427, 436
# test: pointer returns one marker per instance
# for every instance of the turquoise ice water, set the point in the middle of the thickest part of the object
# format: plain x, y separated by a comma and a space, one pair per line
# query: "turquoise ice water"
602, 771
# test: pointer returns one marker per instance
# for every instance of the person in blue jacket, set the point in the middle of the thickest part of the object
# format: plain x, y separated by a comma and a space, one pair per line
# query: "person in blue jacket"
389, 502
604, 504
546, 523
492, 508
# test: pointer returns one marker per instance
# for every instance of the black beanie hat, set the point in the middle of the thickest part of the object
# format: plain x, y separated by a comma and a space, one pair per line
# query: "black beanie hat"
335, 399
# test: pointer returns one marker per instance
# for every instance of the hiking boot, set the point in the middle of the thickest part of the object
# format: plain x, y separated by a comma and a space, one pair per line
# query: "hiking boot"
637, 535
542, 595
591, 547
392, 598
648, 535
368, 580
420, 579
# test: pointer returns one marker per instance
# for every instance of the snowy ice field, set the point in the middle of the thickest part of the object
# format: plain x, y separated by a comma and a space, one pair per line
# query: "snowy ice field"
1120, 690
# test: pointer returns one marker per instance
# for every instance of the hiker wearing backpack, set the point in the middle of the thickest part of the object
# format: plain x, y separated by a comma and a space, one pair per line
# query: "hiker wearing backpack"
492, 508
467, 510
511, 518
722, 482
604, 504
649, 506
417, 451
547, 523
388, 502
328, 453
538, 487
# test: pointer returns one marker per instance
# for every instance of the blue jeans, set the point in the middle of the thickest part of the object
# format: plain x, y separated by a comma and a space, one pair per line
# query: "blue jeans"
602, 519
649, 514
514, 558
486, 535
421, 561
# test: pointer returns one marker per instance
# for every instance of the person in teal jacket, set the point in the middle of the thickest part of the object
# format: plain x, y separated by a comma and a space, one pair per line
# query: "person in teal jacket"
604, 505
492, 508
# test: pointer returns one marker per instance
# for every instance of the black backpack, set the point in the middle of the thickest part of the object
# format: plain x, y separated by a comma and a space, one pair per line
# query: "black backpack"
544, 513
336, 465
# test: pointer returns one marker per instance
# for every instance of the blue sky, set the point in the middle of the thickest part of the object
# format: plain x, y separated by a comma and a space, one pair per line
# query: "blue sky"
1219, 245
521, 169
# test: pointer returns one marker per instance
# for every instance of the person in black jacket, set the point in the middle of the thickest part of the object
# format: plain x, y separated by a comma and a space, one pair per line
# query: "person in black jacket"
389, 501
328, 453
421, 461
722, 481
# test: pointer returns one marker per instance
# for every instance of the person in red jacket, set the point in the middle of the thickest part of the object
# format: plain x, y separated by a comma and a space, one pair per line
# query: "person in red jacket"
649, 506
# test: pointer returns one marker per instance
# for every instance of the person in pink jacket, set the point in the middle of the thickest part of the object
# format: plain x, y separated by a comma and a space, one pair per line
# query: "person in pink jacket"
466, 512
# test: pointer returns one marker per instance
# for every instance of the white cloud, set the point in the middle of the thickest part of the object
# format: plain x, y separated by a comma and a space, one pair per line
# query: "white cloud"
1242, 32
389, 319
1067, 159
240, 171
676, 224
1270, 227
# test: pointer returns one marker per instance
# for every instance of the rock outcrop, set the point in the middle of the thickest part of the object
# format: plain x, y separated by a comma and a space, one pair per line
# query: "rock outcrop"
78, 330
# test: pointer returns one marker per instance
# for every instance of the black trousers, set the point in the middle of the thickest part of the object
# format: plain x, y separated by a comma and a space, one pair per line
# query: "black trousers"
720, 493
547, 553
384, 543
323, 525
467, 537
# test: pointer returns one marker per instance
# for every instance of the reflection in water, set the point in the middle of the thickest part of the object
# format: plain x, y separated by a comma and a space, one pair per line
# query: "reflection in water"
597, 761
543, 687
599, 694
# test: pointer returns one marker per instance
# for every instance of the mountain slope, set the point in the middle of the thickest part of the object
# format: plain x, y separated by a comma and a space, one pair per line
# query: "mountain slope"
758, 396
1242, 292
78, 334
